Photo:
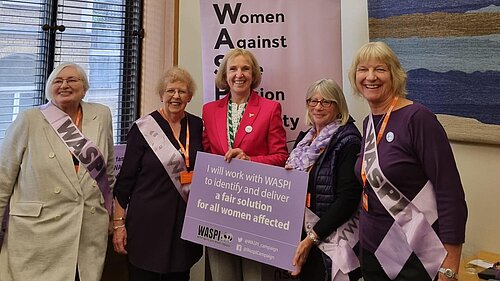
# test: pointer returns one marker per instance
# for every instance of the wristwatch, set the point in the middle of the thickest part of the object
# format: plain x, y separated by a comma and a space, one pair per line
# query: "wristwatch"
448, 273
313, 237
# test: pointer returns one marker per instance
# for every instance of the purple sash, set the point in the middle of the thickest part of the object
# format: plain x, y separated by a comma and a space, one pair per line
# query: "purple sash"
169, 156
412, 228
82, 148
338, 245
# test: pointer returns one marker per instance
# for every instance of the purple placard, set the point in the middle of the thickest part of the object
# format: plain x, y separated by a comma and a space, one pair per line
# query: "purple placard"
246, 208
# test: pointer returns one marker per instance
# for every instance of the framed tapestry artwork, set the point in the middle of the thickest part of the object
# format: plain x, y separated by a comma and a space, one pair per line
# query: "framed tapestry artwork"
451, 52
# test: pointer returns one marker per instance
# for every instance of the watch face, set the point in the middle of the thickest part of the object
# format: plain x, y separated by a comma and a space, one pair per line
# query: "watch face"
448, 273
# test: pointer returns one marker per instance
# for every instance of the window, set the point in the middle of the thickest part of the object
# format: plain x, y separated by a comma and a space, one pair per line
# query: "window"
103, 36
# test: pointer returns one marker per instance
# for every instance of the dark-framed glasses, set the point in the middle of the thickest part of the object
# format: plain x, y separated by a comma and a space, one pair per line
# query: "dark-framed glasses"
171, 92
324, 103
72, 81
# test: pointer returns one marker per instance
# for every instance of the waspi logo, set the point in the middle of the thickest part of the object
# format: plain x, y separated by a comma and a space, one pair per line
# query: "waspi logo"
214, 235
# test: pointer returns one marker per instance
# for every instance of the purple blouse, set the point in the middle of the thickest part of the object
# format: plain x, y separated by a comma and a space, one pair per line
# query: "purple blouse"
420, 151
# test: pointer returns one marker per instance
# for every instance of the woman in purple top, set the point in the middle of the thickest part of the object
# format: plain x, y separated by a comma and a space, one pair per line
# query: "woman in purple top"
149, 205
412, 224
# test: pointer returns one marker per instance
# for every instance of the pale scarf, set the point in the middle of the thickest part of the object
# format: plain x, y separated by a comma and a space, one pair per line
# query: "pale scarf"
307, 151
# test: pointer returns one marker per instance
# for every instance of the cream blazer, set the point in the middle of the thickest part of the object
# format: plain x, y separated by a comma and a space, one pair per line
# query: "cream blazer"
57, 219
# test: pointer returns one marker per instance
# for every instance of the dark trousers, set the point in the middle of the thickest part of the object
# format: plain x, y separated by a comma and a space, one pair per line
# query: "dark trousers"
318, 268
139, 274
412, 269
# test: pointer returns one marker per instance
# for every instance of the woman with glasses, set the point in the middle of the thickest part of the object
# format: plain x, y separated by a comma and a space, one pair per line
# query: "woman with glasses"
57, 171
242, 125
153, 186
328, 151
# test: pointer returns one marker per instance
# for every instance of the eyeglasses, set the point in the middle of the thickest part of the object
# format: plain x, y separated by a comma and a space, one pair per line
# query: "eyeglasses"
171, 92
324, 103
72, 81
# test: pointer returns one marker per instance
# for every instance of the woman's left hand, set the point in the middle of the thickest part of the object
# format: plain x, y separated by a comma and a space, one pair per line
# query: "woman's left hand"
120, 240
237, 153
452, 259
301, 255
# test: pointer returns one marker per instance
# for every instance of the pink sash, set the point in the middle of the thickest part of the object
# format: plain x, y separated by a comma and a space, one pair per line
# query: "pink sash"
169, 156
338, 245
82, 148
412, 228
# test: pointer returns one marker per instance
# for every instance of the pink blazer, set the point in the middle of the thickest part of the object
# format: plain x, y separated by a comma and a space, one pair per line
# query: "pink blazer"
261, 134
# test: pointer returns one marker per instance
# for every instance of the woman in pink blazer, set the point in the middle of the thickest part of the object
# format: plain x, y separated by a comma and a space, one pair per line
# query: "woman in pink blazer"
245, 126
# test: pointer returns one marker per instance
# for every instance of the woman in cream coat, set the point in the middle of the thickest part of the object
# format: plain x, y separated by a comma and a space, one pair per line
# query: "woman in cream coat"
58, 222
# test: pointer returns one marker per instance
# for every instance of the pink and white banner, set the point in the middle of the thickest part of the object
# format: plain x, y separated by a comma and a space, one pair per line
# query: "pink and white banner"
295, 41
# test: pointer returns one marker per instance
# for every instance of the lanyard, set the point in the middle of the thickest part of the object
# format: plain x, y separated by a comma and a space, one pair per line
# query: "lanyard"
184, 150
78, 117
379, 135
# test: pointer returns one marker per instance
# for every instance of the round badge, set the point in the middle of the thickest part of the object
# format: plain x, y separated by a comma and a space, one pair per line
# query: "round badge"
248, 129
389, 136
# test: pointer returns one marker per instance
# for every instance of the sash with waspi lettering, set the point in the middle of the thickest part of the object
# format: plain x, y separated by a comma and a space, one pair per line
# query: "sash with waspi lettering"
338, 245
412, 228
169, 156
82, 148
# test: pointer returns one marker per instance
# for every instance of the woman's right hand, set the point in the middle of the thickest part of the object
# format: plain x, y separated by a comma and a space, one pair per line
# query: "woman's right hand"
301, 255
120, 240
237, 153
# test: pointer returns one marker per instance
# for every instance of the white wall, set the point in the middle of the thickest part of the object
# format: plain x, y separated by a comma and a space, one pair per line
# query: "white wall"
479, 165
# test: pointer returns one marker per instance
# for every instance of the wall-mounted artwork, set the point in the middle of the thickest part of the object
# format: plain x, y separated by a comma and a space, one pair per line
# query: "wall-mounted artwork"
451, 52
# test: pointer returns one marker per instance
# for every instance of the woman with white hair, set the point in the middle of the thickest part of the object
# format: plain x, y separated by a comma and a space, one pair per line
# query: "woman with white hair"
57, 171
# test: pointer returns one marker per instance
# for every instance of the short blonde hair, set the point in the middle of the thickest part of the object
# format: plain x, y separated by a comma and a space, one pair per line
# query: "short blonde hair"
221, 78
176, 74
380, 51
329, 90
81, 73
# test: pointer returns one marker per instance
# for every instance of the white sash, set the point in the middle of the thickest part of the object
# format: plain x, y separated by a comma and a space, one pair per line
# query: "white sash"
338, 245
82, 148
169, 156
412, 228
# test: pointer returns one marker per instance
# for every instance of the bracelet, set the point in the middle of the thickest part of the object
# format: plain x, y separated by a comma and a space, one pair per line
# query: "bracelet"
118, 226
119, 219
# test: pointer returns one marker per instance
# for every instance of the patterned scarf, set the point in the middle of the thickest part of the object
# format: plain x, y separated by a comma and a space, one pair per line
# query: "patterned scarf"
308, 149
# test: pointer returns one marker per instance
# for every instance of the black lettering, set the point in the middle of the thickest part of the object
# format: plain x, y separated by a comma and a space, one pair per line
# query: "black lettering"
219, 94
175, 163
375, 178
387, 190
396, 209
77, 145
270, 95
370, 158
217, 61
88, 154
68, 129
201, 230
97, 164
224, 39
351, 225
370, 139
233, 16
